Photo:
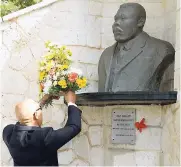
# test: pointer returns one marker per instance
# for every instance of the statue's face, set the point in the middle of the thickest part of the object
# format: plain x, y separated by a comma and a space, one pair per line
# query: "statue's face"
125, 26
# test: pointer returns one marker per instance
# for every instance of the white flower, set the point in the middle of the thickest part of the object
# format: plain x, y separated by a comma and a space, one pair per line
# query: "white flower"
42, 68
55, 83
46, 90
47, 86
57, 74
55, 77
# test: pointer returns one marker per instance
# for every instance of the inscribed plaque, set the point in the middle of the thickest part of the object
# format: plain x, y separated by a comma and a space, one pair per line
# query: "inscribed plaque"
123, 129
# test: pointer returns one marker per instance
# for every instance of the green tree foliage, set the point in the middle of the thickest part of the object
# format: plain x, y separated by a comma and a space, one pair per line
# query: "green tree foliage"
9, 6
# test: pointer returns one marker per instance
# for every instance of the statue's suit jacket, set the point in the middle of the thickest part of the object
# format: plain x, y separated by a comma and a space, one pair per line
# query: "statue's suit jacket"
141, 69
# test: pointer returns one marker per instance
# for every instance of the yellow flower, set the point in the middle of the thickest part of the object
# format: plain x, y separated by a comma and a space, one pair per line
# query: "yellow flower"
62, 83
63, 47
81, 82
63, 67
49, 65
49, 56
69, 52
42, 75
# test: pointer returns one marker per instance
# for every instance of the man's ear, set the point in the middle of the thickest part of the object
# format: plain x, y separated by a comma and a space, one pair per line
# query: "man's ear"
141, 22
35, 116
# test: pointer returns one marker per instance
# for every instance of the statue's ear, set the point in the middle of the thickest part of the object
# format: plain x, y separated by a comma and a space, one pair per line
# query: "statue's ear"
141, 22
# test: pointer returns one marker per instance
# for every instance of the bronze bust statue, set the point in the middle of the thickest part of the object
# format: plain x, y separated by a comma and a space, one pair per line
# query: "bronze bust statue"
137, 61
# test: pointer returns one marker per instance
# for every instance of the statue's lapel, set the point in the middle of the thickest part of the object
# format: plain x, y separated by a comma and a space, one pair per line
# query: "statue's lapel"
110, 53
133, 52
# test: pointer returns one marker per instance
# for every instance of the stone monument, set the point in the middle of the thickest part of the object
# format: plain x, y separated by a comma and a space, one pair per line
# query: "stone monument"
137, 61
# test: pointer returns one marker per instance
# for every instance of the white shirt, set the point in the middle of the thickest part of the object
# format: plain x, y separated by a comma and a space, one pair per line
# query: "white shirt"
70, 103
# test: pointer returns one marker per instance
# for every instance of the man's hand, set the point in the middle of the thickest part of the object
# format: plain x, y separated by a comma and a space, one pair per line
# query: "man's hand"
70, 97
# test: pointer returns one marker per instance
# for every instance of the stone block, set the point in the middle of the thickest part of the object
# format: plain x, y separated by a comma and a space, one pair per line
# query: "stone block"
153, 9
95, 135
170, 6
81, 38
85, 55
152, 115
58, 114
76, 22
13, 38
178, 20
93, 31
19, 84
107, 40
37, 48
177, 45
94, 39
67, 146
79, 6
78, 162
106, 25
92, 71
84, 128
160, 34
57, 19
106, 12
81, 147
97, 156
178, 4
62, 6
153, 24
170, 19
124, 159
34, 18
65, 157
95, 8
47, 116
148, 139
8, 104
147, 158
170, 35
21, 59
33, 91
177, 80
31, 71
92, 115
5, 155
5, 55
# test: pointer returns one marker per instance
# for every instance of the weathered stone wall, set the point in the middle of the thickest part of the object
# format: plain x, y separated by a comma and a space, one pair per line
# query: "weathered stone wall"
85, 27
171, 114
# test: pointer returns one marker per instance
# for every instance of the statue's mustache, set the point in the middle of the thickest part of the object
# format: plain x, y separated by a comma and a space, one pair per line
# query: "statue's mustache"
118, 30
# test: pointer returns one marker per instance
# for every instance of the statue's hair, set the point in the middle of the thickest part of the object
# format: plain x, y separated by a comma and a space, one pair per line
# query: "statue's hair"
140, 8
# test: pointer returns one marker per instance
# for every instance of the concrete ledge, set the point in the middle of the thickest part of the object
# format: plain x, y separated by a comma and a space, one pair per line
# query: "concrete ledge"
29, 9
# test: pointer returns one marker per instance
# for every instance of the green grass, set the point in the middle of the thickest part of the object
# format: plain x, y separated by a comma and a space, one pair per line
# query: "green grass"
9, 6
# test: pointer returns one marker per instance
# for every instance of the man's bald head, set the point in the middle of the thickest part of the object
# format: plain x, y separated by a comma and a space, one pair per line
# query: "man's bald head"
26, 112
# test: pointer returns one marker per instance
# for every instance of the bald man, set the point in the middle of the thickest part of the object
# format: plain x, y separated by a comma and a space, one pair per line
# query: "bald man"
137, 61
31, 145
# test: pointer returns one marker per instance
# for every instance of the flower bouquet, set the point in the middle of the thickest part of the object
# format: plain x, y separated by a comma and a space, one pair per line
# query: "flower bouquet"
56, 75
